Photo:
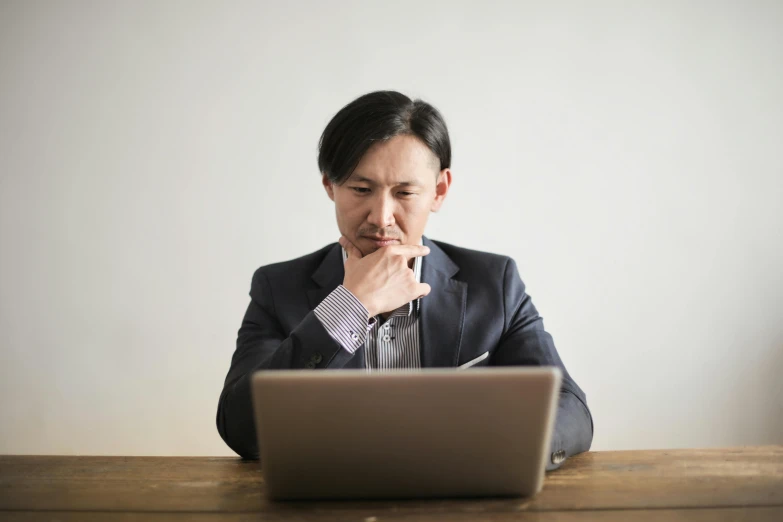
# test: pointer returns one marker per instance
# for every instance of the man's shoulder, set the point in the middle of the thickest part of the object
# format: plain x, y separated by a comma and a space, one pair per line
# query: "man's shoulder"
301, 266
471, 261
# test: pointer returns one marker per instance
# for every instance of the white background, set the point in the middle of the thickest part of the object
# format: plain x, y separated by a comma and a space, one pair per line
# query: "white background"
154, 154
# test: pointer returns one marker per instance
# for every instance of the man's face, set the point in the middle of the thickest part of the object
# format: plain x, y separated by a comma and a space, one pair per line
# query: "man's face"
390, 194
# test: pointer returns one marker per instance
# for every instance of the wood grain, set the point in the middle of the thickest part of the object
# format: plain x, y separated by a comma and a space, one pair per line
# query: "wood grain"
762, 514
685, 482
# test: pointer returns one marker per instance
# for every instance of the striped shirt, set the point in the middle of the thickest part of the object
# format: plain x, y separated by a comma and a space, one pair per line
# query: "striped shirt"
389, 344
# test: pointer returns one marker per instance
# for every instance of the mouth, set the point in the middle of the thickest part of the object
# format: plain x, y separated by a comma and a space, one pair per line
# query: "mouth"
381, 241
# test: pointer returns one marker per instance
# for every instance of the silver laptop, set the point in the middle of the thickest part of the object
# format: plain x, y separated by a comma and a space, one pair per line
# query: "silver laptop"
437, 432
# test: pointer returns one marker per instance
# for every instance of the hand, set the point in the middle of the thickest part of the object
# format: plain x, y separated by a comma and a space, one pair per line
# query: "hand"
383, 281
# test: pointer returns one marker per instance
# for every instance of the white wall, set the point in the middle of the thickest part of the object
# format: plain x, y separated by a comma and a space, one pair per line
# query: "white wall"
153, 154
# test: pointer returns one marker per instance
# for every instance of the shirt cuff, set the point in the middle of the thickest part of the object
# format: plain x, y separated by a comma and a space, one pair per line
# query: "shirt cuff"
345, 318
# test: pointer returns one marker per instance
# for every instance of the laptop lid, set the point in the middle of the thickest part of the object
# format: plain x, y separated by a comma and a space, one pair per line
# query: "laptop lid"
433, 432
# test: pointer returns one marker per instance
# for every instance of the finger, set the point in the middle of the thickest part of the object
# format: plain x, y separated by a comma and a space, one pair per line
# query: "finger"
423, 289
350, 248
408, 251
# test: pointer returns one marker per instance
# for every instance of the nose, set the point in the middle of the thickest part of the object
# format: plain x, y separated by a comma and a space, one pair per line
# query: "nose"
382, 211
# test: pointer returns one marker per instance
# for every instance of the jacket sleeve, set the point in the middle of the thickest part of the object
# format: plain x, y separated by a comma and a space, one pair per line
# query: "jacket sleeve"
263, 344
526, 343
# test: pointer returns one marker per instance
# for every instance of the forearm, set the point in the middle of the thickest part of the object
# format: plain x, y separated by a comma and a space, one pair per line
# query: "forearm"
573, 432
308, 346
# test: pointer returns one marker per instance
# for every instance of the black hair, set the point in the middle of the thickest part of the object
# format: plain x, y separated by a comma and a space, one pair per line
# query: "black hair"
379, 116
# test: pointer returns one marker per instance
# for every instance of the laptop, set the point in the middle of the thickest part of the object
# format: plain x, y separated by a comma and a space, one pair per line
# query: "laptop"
434, 432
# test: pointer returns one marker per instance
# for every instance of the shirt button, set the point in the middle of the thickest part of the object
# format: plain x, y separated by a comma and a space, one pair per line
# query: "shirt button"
387, 326
355, 337
386, 338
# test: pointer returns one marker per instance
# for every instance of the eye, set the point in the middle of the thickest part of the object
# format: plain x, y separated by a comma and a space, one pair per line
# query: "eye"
407, 193
360, 190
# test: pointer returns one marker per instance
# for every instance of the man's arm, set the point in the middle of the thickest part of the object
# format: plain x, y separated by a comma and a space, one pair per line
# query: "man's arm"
526, 343
262, 344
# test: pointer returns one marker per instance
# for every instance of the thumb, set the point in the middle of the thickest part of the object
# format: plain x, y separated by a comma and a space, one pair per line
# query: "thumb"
350, 248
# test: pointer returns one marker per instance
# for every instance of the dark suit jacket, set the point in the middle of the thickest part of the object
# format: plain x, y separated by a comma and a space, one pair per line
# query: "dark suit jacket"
477, 304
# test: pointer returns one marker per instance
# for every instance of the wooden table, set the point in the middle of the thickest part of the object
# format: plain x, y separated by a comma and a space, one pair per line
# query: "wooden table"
717, 484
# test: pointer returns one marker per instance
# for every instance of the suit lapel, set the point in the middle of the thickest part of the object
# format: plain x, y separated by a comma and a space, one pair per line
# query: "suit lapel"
442, 311
329, 275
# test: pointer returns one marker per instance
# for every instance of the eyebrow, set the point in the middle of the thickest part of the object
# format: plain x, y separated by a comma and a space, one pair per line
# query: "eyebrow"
372, 182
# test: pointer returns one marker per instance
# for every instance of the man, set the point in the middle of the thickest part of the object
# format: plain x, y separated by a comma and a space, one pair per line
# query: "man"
387, 296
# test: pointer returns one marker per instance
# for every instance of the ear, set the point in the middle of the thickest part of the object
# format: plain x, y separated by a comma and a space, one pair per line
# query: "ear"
442, 185
328, 186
